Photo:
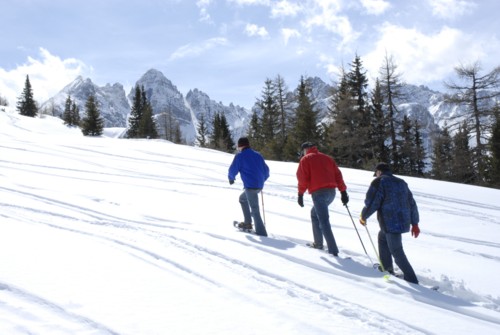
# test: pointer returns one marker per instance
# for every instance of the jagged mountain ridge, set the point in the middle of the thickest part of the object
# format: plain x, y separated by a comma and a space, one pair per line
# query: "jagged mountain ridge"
111, 100
425, 105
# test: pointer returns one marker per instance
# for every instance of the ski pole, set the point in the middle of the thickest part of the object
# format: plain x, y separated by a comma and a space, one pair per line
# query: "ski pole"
263, 211
374, 249
357, 232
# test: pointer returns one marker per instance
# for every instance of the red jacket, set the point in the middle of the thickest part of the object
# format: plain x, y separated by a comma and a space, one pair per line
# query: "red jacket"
317, 171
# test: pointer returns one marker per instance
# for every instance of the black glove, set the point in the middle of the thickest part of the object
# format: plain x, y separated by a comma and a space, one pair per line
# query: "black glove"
231, 182
344, 197
300, 200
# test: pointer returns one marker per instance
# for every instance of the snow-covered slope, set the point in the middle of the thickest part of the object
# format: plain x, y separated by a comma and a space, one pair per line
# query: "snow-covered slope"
113, 236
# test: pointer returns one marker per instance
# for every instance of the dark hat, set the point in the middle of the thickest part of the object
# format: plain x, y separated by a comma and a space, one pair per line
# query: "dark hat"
306, 145
381, 167
243, 142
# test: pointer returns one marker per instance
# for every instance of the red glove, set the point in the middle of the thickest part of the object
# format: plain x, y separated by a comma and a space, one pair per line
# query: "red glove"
415, 231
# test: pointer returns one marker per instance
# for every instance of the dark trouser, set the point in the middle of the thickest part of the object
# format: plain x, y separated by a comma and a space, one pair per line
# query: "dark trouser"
249, 201
320, 219
391, 245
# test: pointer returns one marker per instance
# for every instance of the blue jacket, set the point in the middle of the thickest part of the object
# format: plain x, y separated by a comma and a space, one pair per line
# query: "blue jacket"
394, 203
252, 168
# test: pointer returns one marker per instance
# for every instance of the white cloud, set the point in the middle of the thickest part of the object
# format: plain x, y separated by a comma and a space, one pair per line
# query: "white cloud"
284, 8
449, 9
48, 75
375, 7
193, 50
254, 30
289, 33
203, 6
325, 14
423, 59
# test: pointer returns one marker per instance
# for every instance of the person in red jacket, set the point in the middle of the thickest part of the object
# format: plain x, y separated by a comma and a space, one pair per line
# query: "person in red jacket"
319, 174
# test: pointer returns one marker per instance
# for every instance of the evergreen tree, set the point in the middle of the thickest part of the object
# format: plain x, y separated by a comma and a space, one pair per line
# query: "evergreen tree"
475, 93
357, 83
92, 123
494, 144
269, 121
227, 140
26, 105
379, 131
221, 135
75, 114
420, 154
67, 117
406, 158
343, 109
202, 131
306, 121
462, 163
442, 156
147, 125
255, 132
135, 114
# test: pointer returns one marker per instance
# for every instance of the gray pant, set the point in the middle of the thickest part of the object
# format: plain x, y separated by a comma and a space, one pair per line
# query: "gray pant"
391, 245
249, 201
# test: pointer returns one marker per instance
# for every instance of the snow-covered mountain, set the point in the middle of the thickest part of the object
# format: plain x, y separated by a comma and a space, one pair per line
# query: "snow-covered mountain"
420, 102
166, 98
111, 100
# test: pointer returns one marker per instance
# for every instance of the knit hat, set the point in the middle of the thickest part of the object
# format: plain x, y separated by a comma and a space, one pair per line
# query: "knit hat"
381, 167
306, 145
243, 142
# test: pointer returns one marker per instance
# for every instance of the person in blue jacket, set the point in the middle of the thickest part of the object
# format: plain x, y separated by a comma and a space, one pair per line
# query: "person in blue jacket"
396, 212
254, 172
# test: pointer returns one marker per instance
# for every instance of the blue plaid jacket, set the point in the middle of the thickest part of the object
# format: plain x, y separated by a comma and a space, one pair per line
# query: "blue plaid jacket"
393, 201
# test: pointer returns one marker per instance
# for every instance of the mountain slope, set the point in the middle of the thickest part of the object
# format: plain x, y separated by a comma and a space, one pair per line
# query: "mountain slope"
114, 236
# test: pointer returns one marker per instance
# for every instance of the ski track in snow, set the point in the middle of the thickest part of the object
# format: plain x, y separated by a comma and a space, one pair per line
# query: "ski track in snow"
15, 301
120, 233
166, 234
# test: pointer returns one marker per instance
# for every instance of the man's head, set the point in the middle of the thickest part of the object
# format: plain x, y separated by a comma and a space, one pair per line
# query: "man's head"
305, 146
243, 142
381, 168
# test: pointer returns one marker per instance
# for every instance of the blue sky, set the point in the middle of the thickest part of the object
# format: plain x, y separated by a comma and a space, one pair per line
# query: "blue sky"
228, 48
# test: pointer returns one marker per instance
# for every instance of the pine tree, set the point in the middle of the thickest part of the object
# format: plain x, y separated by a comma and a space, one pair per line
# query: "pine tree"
494, 144
343, 111
379, 131
442, 156
221, 135
407, 148
420, 154
135, 114
306, 121
255, 132
67, 117
357, 83
26, 105
227, 140
75, 114
202, 131
92, 123
147, 125
269, 120
462, 163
